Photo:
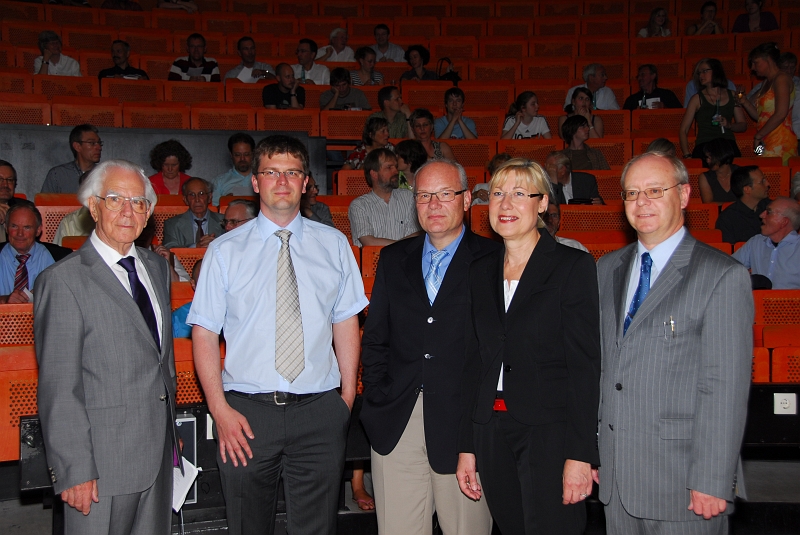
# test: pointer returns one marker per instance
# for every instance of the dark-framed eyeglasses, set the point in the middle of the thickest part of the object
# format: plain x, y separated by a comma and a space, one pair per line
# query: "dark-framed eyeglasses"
446, 195
140, 205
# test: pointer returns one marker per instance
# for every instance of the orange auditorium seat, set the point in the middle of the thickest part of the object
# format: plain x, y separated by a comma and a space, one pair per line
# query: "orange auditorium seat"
103, 112
656, 122
605, 26
352, 182
708, 45
473, 152
73, 242
53, 207
550, 8
599, 249
472, 9
193, 92
495, 70
275, 25
786, 365
479, 221
75, 86
22, 32
464, 27
149, 41
125, 19
172, 20
216, 43
557, 27
429, 8
72, 15
510, 27
322, 26
548, 70
617, 123
303, 8
222, 116
418, 26
341, 8
458, 49
21, 11
370, 254
156, 115
24, 109
593, 218
342, 125
616, 151
338, 206
652, 49
488, 95
243, 93
7, 56
224, 22
605, 7
188, 256
16, 80
426, 94
760, 371
385, 10
531, 149
517, 9
494, 47
132, 90
88, 38
781, 335
288, 120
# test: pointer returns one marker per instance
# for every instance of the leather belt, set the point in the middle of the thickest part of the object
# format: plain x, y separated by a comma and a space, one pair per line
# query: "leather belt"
278, 398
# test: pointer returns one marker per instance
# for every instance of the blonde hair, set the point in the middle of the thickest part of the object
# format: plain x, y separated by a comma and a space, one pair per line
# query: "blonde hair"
527, 174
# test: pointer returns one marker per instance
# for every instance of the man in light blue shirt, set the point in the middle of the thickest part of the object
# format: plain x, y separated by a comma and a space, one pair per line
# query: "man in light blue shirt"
271, 421
453, 125
238, 179
775, 253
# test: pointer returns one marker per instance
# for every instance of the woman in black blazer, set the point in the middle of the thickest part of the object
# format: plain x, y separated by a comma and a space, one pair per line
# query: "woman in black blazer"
533, 366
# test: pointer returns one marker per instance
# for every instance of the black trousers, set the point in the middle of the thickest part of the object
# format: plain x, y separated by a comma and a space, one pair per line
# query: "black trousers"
302, 442
521, 469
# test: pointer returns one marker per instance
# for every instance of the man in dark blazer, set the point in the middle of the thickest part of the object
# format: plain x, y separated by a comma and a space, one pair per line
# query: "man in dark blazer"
568, 185
676, 333
413, 354
106, 368
198, 225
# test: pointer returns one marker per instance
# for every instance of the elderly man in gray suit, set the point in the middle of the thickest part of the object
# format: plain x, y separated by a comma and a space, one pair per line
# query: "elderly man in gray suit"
197, 226
106, 368
676, 331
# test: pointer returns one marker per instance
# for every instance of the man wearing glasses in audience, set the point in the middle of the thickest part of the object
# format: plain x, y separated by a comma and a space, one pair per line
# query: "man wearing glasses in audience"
198, 225
239, 212
86, 147
8, 185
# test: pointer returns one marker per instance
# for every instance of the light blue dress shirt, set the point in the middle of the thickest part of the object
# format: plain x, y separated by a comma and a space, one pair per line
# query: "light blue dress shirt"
660, 254
779, 264
428, 249
236, 292
39, 260
441, 123
227, 182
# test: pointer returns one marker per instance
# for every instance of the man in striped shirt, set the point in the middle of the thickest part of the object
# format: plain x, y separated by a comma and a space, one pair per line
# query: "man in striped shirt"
195, 67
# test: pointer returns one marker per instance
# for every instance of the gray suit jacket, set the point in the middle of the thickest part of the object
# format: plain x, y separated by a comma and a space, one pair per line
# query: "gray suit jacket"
101, 375
179, 231
584, 186
673, 407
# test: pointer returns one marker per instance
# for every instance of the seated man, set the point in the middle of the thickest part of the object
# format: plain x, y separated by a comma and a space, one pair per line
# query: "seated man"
77, 223
198, 226
337, 50
603, 98
8, 185
395, 112
385, 214
181, 329
52, 61
120, 52
775, 253
249, 70
568, 185
87, 148
239, 212
552, 220
22, 258
195, 67
384, 50
313, 209
306, 70
342, 95
453, 125
650, 96
287, 93
740, 221
238, 180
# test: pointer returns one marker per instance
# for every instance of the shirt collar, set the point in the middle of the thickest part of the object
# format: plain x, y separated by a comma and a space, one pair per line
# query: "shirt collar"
233, 171
267, 228
32, 252
110, 255
661, 253
205, 216
428, 247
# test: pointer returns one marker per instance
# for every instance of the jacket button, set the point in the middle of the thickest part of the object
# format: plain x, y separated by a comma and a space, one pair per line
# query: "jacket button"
502, 337
163, 397
611, 427
507, 369
430, 320
428, 356
618, 386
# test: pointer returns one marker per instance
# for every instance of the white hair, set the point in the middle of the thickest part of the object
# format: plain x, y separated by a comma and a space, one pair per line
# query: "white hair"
337, 31
93, 184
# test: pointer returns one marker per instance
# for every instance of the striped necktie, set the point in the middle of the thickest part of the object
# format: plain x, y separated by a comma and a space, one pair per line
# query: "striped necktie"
289, 347
21, 277
433, 280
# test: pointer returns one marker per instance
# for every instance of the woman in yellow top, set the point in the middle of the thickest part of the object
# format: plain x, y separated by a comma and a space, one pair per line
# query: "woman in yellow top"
773, 104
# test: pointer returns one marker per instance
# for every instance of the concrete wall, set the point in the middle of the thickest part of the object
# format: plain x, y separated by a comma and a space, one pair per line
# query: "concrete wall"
33, 150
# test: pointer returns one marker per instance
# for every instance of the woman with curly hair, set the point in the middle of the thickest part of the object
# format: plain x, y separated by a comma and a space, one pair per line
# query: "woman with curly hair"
170, 159
417, 56
374, 136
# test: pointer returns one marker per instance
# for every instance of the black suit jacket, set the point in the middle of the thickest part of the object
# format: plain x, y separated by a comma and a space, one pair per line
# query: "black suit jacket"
584, 186
548, 344
56, 251
408, 343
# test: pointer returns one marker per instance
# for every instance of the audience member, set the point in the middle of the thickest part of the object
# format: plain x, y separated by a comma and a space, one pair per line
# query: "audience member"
787, 64
287, 93
480, 194
740, 221
306, 70
453, 125
341, 96
707, 24
366, 75
575, 132
715, 184
691, 86
123, 5
422, 125
120, 52
181, 329
52, 61
713, 109
582, 105
775, 253
8, 186
594, 76
754, 20
337, 50
386, 214
77, 223
795, 186
313, 209
552, 220
195, 67
238, 180
86, 147
170, 159
417, 56
375, 135
664, 145
197, 226
239, 212
395, 112
650, 96
568, 185
411, 155
384, 50
658, 25
497, 160
249, 70
22, 257
187, 5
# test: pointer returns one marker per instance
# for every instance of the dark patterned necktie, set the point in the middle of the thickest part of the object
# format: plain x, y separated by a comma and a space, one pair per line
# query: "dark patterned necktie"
21, 277
199, 234
140, 296
641, 290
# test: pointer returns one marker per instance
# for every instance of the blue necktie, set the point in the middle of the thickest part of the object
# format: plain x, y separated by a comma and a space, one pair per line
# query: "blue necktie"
641, 290
140, 296
433, 280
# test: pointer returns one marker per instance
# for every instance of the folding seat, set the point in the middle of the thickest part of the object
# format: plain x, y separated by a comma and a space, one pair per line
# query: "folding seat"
464, 27
251, 7
88, 38
73, 242
342, 126
224, 22
745, 42
549, 93
488, 95
7, 56
549, 8
690, 19
645, 7
617, 123
472, 9
593, 218
15, 80
157, 66
24, 109
339, 205
266, 46
351, 182
605, 7
781, 336
418, 26
94, 61
222, 116
503, 48
320, 26
173, 115
365, 27
385, 10
609, 187
516, 9
760, 371
653, 123
303, 8
458, 49
21, 11
242, 93
102, 112
193, 92
429, 94
605, 26
616, 151
479, 221
554, 47
671, 68
777, 307
473, 152
779, 177
306, 120
429, 8
597, 250
170, 19
53, 207
210, 6
531, 149
23, 33
476, 175
188, 256
489, 124
371, 92
495, 70
125, 19
275, 25
701, 216
709, 46
790, 18
509, 27
72, 15
341, 8
149, 41
370, 254
557, 27
652, 49
77, 86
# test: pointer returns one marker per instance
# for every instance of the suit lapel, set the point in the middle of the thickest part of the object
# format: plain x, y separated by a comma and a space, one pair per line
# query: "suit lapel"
621, 285
536, 271
459, 266
412, 268
157, 282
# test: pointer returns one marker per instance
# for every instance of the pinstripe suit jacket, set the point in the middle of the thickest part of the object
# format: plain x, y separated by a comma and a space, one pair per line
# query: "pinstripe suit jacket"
673, 407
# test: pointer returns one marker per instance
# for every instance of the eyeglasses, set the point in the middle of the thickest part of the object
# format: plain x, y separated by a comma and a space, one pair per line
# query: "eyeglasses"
290, 174
446, 195
514, 196
235, 222
91, 143
197, 195
650, 193
11, 181
140, 205
314, 186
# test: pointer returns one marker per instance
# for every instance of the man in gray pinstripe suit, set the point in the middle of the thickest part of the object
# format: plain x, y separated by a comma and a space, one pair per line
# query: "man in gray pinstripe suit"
676, 331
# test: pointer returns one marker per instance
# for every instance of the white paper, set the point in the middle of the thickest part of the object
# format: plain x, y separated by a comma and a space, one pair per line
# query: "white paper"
650, 102
28, 294
181, 483
246, 75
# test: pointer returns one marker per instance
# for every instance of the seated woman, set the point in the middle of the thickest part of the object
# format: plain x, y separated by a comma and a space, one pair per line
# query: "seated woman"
417, 56
170, 159
366, 75
754, 20
374, 136
575, 132
422, 126
707, 24
523, 120
715, 184
658, 26
582, 105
